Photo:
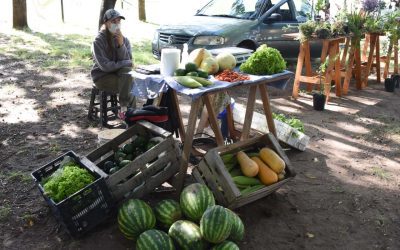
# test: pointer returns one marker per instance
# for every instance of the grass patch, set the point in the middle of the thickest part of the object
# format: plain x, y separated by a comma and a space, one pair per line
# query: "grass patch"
55, 51
381, 173
142, 53
55, 148
387, 127
19, 176
5, 211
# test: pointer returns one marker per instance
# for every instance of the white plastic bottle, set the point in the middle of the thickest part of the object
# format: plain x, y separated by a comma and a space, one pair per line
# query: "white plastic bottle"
185, 55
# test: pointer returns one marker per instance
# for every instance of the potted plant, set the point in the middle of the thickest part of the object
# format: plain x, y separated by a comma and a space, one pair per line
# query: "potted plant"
338, 28
355, 22
319, 98
307, 30
374, 25
323, 30
392, 83
373, 19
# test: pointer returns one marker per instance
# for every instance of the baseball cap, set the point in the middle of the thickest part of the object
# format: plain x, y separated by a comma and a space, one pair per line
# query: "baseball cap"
111, 14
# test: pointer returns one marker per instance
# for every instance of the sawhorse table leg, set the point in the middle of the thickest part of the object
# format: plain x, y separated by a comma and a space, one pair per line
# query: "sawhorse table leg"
187, 145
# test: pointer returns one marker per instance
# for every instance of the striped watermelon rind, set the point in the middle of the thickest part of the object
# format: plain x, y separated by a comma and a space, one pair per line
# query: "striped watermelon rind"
216, 224
135, 217
237, 231
167, 212
195, 199
186, 235
154, 240
226, 245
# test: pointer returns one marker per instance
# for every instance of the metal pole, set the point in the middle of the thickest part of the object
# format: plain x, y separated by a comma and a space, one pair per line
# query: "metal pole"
62, 10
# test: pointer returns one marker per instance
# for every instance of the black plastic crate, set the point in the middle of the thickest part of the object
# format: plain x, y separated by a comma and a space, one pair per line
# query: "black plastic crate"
83, 210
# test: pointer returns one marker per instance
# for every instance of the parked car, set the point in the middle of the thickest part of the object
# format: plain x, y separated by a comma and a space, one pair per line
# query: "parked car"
237, 23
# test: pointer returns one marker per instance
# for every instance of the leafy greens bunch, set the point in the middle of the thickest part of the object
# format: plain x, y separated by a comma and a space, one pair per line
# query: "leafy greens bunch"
67, 180
291, 121
264, 61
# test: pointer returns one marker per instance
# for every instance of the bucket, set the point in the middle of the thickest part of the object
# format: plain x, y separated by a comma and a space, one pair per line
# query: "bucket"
107, 135
170, 59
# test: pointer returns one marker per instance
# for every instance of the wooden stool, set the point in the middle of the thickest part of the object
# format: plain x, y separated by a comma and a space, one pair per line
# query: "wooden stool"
99, 106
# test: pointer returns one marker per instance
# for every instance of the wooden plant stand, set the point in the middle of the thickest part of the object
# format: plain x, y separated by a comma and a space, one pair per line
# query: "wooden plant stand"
372, 40
331, 48
393, 48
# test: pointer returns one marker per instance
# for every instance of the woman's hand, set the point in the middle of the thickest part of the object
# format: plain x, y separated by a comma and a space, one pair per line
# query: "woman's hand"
119, 37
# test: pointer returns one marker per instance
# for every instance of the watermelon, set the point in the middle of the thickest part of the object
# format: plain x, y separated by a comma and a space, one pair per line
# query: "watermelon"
135, 217
167, 212
195, 199
187, 235
225, 245
216, 224
237, 231
154, 240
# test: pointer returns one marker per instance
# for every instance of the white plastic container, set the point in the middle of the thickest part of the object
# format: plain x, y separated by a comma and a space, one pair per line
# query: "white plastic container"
185, 55
107, 135
170, 59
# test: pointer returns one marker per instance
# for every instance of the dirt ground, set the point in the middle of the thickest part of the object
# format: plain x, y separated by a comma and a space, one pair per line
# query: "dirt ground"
345, 194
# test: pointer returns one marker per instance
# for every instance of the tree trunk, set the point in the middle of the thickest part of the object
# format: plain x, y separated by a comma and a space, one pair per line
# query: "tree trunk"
105, 5
142, 10
20, 20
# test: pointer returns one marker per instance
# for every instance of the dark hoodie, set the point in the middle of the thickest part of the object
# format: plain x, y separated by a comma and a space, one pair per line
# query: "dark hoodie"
106, 62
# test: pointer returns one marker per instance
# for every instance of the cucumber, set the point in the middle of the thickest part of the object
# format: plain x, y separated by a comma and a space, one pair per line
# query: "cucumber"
251, 189
188, 81
253, 154
202, 80
229, 166
226, 158
246, 181
235, 172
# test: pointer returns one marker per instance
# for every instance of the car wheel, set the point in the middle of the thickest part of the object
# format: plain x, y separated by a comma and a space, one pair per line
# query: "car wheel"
247, 45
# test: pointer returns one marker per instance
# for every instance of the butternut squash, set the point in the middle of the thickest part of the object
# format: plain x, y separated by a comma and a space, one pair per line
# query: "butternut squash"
272, 159
247, 165
265, 174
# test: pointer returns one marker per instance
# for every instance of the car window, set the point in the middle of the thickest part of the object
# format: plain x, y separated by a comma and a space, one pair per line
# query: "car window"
303, 10
283, 10
246, 9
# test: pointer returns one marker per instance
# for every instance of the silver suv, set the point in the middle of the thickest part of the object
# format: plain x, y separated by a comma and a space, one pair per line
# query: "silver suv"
236, 23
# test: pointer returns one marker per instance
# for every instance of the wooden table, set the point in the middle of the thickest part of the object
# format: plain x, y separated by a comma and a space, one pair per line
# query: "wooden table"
329, 47
188, 133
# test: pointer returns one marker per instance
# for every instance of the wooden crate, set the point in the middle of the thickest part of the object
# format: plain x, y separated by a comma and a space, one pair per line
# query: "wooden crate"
285, 133
212, 172
147, 171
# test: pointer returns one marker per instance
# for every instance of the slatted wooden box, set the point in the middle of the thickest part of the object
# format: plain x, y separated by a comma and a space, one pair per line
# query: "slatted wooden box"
212, 172
148, 170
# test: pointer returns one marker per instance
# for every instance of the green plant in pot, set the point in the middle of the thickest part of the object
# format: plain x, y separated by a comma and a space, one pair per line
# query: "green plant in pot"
355, 22
374, 24
307, 30
338, 28
319, 98
323, 30
391, 26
